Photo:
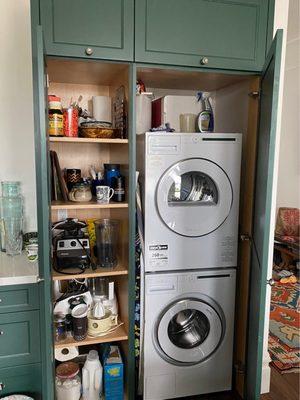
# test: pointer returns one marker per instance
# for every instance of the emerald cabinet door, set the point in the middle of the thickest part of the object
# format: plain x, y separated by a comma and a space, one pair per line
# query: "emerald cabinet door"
19, 338
264, 215
24, 379
227, 34
94, 28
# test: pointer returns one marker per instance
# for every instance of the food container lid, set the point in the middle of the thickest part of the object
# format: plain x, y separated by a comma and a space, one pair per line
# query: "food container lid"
67, 370
52, 97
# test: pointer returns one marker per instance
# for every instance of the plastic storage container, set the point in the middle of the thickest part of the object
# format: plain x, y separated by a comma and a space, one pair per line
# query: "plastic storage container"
68, 382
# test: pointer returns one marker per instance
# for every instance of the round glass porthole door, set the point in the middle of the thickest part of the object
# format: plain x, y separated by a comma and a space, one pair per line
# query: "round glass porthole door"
194, 197
188, 332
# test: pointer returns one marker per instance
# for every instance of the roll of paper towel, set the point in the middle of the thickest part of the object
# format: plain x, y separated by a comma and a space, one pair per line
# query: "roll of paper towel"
102, 108
66, 353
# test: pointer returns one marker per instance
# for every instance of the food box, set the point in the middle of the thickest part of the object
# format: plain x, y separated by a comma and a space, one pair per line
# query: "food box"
113, 371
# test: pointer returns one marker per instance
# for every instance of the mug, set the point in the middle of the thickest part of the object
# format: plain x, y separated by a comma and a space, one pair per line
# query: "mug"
73, 176
104, 194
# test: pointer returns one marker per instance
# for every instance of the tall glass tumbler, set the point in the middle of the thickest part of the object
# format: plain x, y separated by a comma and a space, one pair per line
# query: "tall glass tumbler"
13, 235
107, 234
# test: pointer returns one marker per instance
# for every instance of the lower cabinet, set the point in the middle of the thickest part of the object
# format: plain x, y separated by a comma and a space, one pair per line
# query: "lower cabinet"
20, 349
25, 379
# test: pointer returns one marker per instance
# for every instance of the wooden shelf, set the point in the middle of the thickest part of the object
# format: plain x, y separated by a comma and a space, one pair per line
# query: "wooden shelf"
89, 273
118, 335
85, 140
87, 205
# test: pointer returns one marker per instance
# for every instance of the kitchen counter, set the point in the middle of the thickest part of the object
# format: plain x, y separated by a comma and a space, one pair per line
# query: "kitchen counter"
17, 270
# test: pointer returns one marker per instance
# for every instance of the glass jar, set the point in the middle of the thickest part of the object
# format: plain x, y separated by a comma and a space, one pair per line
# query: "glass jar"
60, 330
67, 381
55, 116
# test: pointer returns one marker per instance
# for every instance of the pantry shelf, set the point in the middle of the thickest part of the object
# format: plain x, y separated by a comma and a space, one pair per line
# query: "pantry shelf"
118, 335
90, 273
69, 205
86, 140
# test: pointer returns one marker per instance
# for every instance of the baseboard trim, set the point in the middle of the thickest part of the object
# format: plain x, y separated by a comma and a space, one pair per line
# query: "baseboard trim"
265, 377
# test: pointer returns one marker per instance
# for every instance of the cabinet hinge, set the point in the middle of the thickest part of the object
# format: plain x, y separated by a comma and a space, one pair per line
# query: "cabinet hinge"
245, 237
39, 280
254, 95
240, 368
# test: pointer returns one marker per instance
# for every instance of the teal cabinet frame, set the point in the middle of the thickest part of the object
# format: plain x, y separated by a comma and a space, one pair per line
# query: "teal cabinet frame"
221, 34
102, 29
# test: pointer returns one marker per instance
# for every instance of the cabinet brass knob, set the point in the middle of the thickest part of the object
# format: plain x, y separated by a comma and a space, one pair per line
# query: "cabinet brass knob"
89, 51
2, 386
204, 61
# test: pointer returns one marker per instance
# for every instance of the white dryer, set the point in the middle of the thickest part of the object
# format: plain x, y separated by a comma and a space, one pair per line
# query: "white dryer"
188, 333
190, 189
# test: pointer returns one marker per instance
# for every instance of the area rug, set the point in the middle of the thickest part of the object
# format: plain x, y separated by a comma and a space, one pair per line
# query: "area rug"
284, 336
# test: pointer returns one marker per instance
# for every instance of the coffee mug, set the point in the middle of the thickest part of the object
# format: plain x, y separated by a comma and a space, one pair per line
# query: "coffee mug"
79, 319
104, 194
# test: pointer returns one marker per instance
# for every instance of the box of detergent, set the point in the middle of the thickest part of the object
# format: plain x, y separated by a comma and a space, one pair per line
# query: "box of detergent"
113, 372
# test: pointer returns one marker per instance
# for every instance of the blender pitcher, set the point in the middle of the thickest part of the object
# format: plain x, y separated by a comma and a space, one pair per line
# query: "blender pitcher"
107, 232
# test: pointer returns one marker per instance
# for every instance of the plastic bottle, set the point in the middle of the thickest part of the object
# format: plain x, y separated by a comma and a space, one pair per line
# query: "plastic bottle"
206, 116
92, 377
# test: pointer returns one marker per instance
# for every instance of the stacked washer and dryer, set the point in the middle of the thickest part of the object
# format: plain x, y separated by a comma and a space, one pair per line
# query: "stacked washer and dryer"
190, 194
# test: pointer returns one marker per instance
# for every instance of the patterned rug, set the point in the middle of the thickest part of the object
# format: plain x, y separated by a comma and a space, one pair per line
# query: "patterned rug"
284, 337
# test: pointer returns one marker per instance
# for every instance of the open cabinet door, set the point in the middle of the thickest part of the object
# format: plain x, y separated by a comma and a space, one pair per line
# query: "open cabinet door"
263, 229
43, 211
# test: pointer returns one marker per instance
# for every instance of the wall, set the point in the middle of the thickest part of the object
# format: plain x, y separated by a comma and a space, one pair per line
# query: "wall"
288, 193
16, 99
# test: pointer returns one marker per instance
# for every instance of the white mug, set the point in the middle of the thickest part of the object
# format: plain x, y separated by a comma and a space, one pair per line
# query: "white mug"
104, 194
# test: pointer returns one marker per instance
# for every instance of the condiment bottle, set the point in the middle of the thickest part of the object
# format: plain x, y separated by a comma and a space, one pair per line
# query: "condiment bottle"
118, 184
56, 119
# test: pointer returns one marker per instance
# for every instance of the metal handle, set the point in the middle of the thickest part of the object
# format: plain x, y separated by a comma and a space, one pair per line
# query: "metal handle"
1, 333
89, 51
2, 386
0, 300
204, 61
271, 282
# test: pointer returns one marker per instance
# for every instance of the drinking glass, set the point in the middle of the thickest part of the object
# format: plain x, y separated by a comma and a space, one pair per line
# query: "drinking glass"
13, 235
107, 231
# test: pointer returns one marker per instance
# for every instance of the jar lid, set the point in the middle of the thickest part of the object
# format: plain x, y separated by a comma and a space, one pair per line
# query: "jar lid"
59, 317
52, 97
67, 370
111, 166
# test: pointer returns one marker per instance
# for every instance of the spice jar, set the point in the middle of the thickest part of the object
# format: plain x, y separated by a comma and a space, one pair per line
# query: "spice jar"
56, 119
71, 122
60, 331
67, 381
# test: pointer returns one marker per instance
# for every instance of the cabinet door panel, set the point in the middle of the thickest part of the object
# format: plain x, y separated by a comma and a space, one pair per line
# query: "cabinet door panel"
23, 380
19, 338
230, 34
72, 26
19, 298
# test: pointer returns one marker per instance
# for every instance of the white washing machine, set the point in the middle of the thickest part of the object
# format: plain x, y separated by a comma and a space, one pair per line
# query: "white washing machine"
190, 191
188, 333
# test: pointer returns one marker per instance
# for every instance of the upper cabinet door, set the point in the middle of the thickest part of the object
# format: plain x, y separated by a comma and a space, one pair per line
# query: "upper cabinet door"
227, 34
95, 28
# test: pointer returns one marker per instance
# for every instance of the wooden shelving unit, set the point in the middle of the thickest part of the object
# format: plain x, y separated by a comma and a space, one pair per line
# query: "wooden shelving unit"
62, 139
86, 205
118, 335
90, 273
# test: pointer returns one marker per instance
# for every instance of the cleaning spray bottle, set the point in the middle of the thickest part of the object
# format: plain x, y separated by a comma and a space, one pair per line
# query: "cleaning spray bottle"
206, 117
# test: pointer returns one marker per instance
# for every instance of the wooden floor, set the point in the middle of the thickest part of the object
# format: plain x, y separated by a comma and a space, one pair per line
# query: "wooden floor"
283, 386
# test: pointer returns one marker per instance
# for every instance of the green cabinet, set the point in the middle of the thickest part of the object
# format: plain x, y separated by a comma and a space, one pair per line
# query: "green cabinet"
23, 380
19, 298
19, 338
95, 28
222, 34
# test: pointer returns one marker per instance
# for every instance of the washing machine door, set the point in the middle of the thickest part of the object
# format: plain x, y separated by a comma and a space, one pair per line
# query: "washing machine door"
194, 197
188, 332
